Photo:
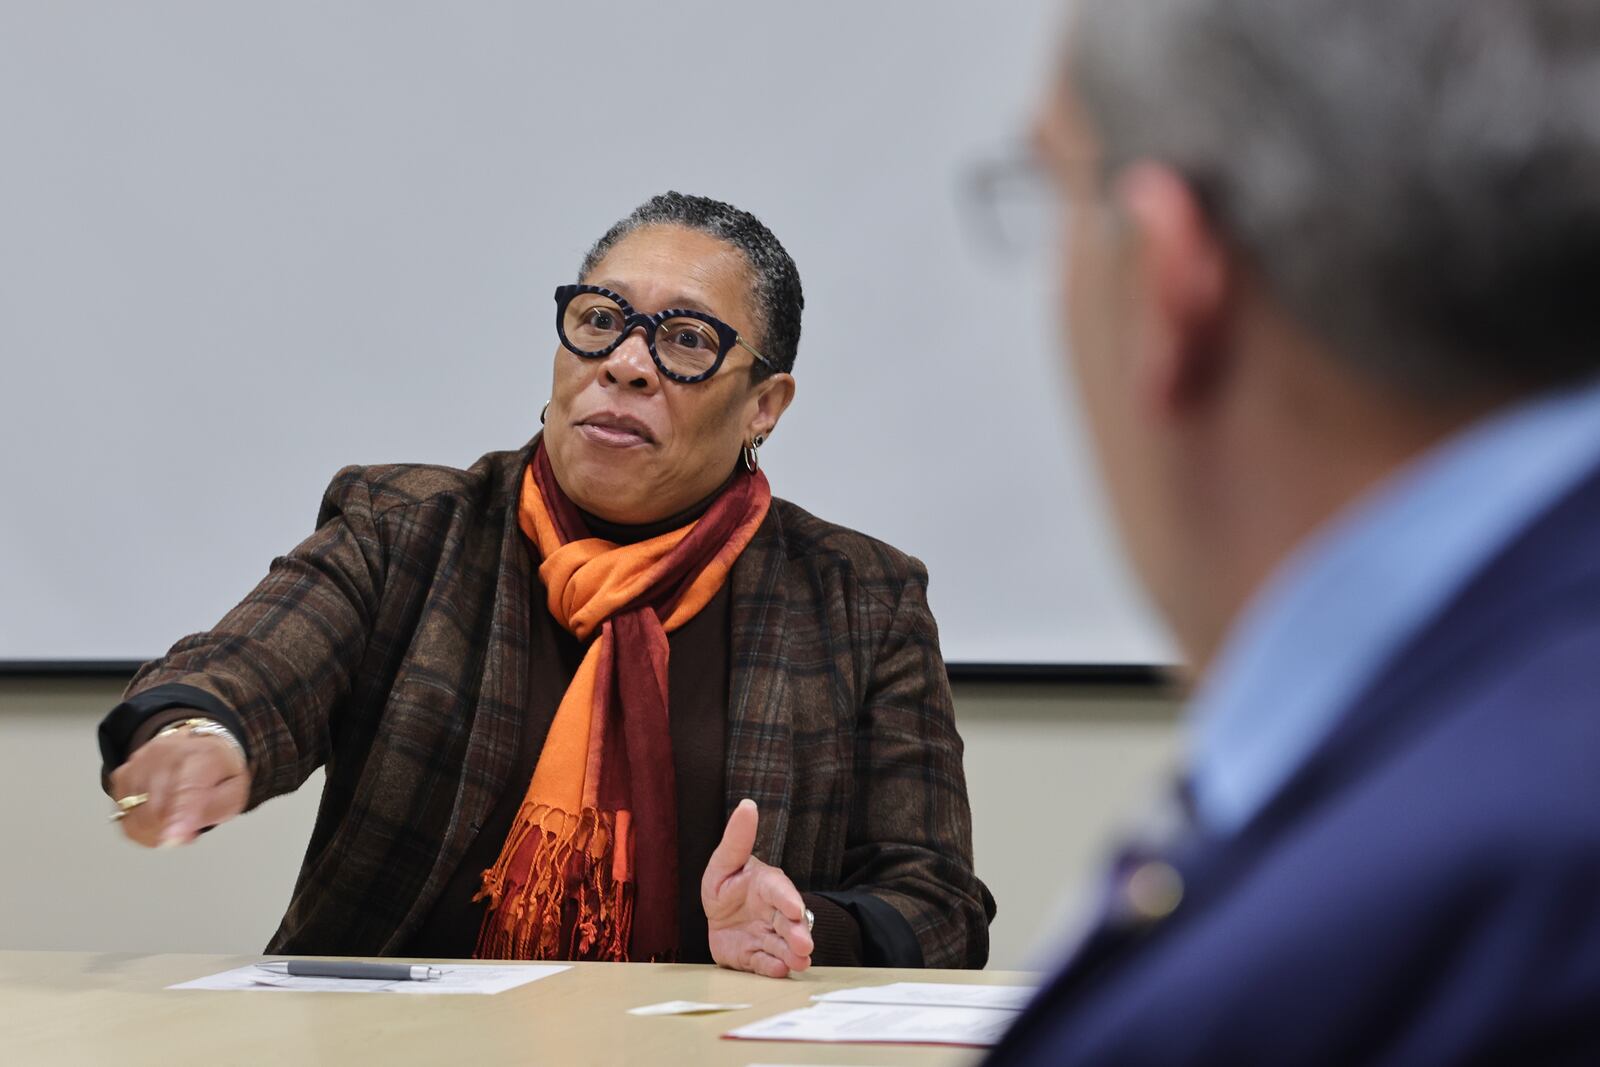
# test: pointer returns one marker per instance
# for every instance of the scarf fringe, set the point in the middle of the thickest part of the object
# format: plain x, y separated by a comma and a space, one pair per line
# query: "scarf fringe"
556, 864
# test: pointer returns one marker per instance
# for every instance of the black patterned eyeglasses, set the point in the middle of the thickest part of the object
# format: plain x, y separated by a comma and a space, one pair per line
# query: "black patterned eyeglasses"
688, 346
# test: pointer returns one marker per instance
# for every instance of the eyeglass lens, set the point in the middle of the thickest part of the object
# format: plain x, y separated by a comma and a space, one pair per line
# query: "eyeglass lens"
1018, 207
685, 345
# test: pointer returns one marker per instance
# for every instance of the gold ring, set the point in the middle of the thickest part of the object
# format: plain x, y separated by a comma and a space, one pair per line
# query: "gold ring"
127, 804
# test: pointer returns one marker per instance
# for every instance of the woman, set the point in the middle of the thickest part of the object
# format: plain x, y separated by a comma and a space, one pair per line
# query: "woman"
538, 686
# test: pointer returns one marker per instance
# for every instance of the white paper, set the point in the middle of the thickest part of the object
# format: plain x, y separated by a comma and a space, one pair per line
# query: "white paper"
935, 994
684, 1007
479, 978
883, 1023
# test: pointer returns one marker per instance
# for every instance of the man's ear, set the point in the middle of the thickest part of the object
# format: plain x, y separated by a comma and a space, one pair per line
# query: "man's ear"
1182, 271
772, 398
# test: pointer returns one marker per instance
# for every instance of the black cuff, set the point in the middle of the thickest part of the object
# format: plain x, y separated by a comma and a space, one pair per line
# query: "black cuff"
117, 728
836, 937
887, 940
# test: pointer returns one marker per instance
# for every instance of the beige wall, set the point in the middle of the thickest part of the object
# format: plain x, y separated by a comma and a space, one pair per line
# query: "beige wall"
1050, 769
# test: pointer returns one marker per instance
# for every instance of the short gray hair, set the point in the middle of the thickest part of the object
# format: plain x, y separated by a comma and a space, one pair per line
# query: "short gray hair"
774, 279
1417, 181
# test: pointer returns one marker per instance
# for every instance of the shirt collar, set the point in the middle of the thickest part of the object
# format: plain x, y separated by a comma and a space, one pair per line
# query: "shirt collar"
1322, 627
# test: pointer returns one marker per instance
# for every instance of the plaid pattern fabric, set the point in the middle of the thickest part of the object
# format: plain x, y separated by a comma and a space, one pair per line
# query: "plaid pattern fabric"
391, 648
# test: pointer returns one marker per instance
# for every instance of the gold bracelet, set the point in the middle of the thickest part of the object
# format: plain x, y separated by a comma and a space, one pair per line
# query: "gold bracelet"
204, 727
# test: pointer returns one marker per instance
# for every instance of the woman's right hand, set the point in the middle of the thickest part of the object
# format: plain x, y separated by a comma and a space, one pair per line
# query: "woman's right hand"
194, 781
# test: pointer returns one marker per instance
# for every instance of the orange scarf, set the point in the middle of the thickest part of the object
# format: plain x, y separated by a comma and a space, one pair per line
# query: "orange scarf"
590, 868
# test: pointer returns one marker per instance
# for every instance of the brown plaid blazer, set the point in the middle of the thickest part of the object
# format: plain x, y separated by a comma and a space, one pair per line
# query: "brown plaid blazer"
391, 648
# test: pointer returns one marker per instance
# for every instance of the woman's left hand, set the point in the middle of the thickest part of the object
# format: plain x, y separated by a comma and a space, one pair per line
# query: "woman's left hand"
755, 916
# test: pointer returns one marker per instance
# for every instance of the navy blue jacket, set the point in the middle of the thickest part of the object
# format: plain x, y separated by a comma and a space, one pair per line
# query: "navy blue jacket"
1425, 890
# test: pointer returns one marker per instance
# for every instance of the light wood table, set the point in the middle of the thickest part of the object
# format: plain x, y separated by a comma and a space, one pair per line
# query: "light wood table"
114, 1008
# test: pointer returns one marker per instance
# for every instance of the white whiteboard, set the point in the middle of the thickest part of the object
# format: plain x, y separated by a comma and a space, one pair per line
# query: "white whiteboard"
245, 244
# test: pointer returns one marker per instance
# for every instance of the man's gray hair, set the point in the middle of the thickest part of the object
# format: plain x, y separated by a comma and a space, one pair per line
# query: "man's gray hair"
1416, 181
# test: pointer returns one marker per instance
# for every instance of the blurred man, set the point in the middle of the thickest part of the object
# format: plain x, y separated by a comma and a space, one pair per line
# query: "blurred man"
1331, 272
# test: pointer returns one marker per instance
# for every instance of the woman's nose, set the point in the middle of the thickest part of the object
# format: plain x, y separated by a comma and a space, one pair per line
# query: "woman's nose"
630, 363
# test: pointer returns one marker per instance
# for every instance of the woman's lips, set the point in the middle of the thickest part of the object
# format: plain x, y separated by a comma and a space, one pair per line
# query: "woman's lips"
612, 436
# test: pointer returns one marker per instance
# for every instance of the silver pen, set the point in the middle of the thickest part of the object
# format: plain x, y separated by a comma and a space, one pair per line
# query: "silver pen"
383, 972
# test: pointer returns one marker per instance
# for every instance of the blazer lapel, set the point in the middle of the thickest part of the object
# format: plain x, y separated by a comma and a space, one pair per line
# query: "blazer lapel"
497, 717
760, 751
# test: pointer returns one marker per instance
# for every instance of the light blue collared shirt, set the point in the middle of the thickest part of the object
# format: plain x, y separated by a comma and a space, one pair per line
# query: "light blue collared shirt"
1320, 630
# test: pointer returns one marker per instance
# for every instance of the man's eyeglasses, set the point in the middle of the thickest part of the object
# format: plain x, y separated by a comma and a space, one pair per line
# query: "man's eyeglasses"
1021, 208
687, 346
1016, 206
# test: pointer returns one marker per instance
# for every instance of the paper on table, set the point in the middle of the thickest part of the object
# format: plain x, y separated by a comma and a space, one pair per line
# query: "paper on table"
931, 994
480, 978
883, 1023
684, 1007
